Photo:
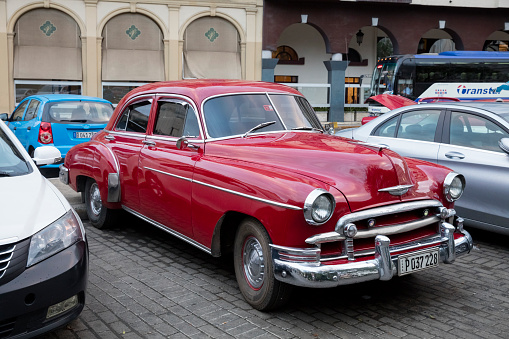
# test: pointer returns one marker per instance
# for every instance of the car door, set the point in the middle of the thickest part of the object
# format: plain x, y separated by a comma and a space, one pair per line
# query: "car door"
16, 123
471, 148
28, 133
126, 141
413, 133
167, 164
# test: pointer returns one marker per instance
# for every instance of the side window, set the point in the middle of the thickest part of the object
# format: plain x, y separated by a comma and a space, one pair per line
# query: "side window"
18, 113
419, 125
176, 119
470, 130
135, 118
32, 109
388, 128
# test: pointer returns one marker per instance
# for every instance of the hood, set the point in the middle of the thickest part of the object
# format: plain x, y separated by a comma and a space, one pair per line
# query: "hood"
391, 101
28, 203
357, 170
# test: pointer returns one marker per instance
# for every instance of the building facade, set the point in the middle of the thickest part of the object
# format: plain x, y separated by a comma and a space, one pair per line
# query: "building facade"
104, 48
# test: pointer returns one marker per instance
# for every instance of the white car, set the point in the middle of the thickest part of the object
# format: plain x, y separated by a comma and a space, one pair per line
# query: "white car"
43, 248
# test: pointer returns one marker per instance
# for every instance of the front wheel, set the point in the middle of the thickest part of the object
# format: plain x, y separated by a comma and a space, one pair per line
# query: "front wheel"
254, 268
99, 215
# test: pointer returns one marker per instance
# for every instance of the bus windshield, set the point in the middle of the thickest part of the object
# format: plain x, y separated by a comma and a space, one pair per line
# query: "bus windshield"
383, 78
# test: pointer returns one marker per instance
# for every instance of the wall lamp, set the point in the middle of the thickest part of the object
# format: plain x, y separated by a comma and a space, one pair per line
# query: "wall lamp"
360, 37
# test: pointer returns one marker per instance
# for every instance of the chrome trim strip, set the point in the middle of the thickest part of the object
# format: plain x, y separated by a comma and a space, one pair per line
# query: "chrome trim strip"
270, 202
373, 232
169, 230
385, 210
169, 174
396, 190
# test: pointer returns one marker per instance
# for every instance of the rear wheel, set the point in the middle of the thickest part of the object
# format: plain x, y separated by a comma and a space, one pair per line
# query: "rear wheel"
254, 269
99, 215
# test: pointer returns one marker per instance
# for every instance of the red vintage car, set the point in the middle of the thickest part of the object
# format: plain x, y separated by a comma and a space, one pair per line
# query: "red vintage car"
245, 167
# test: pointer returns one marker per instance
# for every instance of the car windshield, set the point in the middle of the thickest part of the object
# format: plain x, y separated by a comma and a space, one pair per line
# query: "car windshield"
78, 112
258, 113
12, 162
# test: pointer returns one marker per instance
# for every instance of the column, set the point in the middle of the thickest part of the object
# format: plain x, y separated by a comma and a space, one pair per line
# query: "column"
173, 60
250, 56
268, 66
90, 63
5, 96
336, 78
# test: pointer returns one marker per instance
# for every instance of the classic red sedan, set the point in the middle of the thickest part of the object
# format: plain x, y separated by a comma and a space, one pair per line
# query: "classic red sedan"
247, 167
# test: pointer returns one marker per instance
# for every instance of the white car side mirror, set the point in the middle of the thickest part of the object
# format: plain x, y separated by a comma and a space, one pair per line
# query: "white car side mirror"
504, 144
47, 155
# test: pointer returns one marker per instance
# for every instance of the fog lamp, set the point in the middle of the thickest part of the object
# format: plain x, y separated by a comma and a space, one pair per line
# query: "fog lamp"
62, 307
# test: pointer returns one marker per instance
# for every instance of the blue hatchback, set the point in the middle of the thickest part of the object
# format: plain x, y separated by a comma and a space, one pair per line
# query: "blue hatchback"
60, 120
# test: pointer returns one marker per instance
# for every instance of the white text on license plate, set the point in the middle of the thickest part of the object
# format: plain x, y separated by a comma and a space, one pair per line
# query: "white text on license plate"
416, 261
83, 135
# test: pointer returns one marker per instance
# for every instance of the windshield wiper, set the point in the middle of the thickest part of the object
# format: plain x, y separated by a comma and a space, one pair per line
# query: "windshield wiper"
4, 174
260, 126
305, 128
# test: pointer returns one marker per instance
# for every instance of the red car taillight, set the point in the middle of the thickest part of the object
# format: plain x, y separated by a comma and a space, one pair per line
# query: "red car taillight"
45, 134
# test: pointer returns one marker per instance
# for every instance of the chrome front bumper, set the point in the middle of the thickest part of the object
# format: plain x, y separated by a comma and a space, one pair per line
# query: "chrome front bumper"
383, 267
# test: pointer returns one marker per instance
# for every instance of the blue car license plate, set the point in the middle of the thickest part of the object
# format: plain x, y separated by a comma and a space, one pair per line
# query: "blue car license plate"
83, 135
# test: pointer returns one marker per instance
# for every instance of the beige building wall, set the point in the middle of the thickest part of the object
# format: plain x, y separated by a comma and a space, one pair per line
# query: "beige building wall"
172, 17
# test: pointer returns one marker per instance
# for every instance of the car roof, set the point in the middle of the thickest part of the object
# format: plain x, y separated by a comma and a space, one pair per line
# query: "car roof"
66, 97
200, 89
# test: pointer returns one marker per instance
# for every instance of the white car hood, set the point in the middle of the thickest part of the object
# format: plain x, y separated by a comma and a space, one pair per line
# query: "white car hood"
28, 203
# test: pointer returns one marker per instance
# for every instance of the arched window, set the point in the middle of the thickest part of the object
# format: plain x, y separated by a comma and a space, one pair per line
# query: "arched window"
132, 54
212, 49
287, 56
47, 53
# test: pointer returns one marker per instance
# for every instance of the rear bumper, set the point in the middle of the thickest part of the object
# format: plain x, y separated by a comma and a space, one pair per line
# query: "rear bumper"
383, 267
24, 301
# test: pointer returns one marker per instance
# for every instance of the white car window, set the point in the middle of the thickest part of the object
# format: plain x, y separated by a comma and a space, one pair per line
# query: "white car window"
419, 125
470, 130
12, 162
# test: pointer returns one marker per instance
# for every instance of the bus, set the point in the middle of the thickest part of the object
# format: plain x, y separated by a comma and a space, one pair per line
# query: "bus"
466, 75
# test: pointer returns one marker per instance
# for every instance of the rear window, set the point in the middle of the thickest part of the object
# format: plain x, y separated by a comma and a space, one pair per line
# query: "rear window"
78, 112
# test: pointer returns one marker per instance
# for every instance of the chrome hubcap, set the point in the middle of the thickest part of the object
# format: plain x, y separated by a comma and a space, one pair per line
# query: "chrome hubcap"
254, 267
95, 199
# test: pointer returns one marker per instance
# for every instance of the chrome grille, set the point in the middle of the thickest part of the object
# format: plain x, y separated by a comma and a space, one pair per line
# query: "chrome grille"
6, 253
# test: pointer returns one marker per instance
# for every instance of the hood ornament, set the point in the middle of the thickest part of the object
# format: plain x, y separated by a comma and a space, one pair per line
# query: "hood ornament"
396, 190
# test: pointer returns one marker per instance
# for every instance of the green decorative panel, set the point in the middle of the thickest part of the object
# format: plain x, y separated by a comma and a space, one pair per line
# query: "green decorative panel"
48, 28
133, 32
211, 34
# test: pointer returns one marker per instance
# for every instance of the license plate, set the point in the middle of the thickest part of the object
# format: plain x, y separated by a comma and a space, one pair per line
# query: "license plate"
83, 135
417, 261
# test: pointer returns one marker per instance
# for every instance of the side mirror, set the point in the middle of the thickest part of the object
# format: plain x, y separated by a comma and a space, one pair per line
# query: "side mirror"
504, 144
47, 155
4, 116
182, 143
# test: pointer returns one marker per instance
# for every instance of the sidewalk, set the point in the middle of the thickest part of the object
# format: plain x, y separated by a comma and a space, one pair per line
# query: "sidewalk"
73, 197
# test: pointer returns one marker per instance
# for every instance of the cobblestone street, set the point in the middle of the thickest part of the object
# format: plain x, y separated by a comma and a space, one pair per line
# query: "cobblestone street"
144, 283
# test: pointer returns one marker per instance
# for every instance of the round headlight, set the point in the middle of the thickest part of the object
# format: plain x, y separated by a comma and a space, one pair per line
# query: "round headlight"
318, 207
454, 184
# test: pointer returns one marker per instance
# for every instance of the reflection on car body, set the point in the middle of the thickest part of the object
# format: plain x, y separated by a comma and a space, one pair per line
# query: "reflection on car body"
245, 167
465, 137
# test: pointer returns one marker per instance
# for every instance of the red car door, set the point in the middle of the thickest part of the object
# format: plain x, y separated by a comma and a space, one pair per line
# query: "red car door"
167, 165
126, 141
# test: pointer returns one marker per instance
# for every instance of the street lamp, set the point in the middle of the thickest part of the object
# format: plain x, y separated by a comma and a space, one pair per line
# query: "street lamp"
359, 36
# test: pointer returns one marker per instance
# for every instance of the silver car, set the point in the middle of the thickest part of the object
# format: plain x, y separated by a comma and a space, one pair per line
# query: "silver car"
470, 138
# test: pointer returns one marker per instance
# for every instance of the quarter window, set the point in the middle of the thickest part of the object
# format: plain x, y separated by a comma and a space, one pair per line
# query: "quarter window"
388, 128
135, 118
470, 130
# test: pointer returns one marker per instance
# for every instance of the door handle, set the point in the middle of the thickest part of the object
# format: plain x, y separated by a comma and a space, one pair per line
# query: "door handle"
149, 142
455, 155
109, 137
29, 128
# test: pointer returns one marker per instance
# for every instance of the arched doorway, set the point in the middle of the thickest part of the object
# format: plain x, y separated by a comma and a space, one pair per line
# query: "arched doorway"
436, 41
497, 42
132, 54
47, 54
210, 43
